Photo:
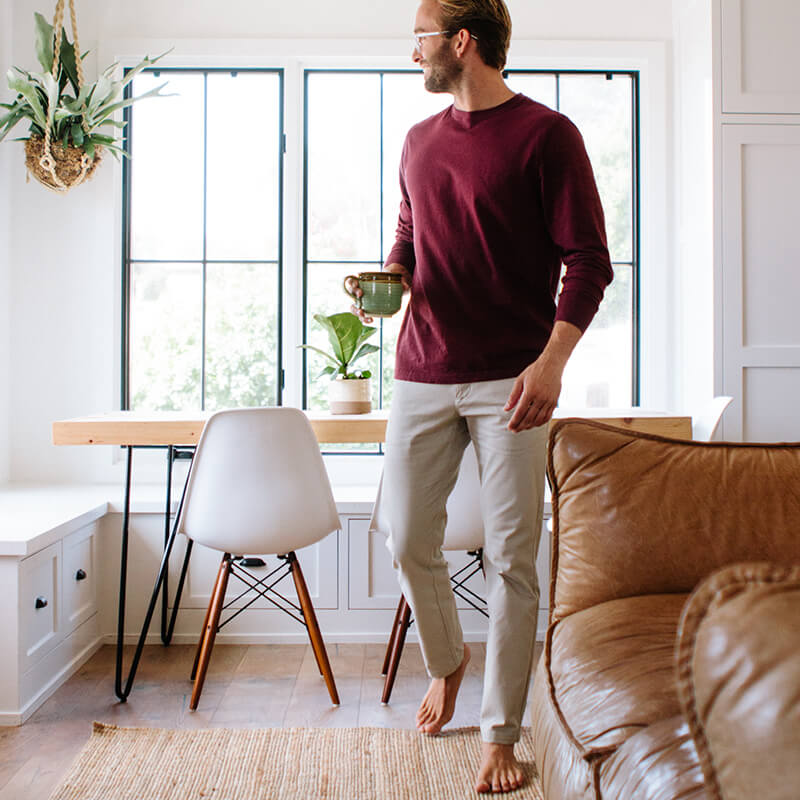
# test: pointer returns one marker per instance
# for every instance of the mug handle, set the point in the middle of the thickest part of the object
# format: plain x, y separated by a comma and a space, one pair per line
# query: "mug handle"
348, 292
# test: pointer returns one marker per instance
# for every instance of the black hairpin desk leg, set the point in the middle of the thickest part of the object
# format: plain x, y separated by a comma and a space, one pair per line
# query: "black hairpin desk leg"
121, 691
168, 626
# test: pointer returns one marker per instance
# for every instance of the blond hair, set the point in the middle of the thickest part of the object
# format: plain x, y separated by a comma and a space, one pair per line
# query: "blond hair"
487, 20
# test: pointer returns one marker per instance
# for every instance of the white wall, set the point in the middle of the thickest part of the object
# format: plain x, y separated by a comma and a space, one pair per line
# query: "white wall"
349, 19
6, 26
694, 212
65, 279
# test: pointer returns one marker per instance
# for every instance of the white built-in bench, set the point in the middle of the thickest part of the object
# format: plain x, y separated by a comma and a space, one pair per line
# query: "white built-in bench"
48, 591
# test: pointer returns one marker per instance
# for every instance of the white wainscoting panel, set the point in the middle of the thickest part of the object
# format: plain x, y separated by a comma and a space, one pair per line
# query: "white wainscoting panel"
760, 56
762, 422
760, 280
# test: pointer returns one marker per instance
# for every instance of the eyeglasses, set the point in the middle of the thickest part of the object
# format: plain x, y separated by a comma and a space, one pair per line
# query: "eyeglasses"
418, 37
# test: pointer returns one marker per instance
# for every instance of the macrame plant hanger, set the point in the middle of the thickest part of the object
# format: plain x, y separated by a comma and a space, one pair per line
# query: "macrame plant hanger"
49, 176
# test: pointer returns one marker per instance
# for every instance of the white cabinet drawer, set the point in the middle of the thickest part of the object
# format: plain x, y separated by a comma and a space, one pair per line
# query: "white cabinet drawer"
39, 604
80, 577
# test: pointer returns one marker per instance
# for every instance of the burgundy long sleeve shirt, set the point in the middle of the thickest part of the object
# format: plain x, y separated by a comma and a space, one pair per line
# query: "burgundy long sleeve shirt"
492, 203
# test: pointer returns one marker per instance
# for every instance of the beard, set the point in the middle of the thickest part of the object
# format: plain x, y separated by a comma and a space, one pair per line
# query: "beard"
444, 72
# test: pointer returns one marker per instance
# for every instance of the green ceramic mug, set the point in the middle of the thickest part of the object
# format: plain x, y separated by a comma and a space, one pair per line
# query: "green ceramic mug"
383, 293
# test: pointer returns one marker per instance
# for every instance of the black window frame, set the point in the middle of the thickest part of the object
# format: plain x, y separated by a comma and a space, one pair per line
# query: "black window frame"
127, 261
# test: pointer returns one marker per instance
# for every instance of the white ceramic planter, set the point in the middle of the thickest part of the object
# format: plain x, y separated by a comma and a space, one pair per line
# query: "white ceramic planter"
350, 396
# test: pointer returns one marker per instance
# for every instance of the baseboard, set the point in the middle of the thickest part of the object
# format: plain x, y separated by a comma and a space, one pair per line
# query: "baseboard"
291, 638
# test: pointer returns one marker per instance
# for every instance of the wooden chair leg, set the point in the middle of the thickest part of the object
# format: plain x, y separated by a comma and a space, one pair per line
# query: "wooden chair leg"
200, 642
397, 649
390, 644
211, 627
317, 645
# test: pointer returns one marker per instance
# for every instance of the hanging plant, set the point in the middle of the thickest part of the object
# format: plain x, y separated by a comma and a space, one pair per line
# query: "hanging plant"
71, 122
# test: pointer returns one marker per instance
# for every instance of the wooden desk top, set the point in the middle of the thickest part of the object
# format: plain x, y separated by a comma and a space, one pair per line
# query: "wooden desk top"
184, 427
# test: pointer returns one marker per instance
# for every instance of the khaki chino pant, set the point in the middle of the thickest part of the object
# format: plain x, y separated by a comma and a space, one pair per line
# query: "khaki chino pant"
429, 427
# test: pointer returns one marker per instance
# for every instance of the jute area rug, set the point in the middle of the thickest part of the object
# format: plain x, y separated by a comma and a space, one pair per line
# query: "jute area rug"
282, 763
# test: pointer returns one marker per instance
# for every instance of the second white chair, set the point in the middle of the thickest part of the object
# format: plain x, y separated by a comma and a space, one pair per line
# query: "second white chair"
258, 486
706, 421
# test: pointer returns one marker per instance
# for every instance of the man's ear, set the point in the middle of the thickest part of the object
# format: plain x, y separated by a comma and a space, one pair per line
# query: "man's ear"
462, 40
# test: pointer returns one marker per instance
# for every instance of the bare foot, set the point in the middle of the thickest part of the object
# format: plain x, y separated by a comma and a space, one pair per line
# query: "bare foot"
439, 703
499, 771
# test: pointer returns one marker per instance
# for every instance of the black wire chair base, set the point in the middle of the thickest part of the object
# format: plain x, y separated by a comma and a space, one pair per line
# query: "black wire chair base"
261, 589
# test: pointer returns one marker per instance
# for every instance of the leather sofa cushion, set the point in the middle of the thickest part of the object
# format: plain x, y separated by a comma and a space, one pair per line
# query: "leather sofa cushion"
657, 763
739, 680
611, 670
637, 514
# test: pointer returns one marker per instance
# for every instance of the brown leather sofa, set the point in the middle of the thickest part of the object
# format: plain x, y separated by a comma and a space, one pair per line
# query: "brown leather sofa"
671, 667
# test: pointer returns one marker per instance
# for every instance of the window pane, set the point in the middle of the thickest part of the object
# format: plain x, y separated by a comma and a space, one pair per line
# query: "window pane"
599, 372
241, 335
165, 336
541, 88
601, 109
405, 102
167, 169
343, 166
243, 171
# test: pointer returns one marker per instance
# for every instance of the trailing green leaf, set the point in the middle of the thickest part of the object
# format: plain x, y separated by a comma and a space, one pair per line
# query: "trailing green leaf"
29, 93
68, 63
44, 42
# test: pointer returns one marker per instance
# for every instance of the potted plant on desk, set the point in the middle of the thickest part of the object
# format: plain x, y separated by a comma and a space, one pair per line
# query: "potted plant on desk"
349, 392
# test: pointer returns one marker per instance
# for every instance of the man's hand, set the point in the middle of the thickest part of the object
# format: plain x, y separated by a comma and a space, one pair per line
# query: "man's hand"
535, 395
535, 392
354, 288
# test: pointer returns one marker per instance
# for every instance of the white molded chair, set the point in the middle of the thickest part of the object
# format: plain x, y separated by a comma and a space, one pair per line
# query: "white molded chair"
706, 422
463, 531
258, 485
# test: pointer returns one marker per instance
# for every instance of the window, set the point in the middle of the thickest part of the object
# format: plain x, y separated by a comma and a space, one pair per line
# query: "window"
355, 126
202, 263
204, 276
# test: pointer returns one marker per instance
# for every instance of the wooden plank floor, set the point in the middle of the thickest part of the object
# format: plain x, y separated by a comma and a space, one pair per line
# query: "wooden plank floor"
247, 686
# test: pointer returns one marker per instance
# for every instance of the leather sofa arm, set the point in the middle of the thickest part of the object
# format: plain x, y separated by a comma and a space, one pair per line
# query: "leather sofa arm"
738, 665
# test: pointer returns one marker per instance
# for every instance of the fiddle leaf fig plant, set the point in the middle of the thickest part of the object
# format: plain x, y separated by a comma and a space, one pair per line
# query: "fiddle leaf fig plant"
77, 115
347, 335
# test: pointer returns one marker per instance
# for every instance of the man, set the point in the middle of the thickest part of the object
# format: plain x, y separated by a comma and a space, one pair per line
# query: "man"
497, 193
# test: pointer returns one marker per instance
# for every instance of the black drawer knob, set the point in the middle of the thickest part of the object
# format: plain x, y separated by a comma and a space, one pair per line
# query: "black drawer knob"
80, 575
41, 602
